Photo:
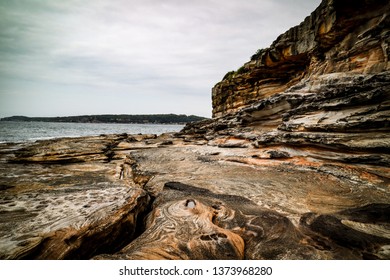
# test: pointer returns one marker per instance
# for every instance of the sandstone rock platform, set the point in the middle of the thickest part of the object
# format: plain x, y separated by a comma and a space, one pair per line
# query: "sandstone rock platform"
295, 163
169, 197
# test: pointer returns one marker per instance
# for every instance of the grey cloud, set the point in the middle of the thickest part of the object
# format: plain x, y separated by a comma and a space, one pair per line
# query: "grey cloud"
173, 51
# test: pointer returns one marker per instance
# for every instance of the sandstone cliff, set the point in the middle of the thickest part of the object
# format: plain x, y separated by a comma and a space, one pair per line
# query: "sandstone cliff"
348, 37
322, 89
294, 165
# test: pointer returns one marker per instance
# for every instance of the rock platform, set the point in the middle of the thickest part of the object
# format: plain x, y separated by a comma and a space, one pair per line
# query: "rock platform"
295, 163
171, 197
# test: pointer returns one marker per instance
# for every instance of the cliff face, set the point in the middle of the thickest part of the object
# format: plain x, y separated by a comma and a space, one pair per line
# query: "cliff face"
321, 90
348, 37
295, 164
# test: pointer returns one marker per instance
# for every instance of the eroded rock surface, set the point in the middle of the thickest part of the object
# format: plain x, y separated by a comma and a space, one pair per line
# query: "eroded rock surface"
60, 200
295, 163
338, 37
320, 92
230, 203
194, 223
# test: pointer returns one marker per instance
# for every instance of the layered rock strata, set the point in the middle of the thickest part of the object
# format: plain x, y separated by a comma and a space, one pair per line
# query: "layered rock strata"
320, 91
338, 37
194, 223
61, 200
226, 203
294, 165
340, 118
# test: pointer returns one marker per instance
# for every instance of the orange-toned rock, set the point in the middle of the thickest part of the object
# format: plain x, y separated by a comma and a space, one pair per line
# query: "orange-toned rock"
295, 164
338, 37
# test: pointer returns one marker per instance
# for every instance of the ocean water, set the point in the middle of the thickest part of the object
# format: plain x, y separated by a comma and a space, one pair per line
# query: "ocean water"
32, 131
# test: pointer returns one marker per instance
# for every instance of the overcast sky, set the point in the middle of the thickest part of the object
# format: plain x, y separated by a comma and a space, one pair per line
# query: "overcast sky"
74, 57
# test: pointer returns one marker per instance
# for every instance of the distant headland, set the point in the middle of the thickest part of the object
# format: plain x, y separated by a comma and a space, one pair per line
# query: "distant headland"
153, 118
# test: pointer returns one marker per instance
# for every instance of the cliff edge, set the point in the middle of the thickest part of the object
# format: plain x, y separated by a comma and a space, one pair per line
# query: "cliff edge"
322, 90
295, 163
345, 37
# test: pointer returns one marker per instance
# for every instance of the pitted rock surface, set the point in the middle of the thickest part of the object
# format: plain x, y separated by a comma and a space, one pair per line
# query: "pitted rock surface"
295, 163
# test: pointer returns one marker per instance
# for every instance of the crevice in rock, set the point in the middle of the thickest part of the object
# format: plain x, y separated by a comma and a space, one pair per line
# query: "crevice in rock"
102, 237
126, 237
109, 152
130, 171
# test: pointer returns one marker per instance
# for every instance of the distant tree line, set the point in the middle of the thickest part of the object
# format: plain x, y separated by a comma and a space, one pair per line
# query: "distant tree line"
140, 119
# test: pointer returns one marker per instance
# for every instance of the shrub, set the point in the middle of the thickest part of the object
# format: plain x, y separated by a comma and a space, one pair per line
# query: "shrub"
229, 75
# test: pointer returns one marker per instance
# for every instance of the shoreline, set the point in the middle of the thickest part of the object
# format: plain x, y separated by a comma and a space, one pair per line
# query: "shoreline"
17, 132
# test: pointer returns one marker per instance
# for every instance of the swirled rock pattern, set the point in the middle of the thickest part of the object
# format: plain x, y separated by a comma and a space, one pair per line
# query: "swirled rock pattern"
194, 223
231, 202
295, 163
60, 199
